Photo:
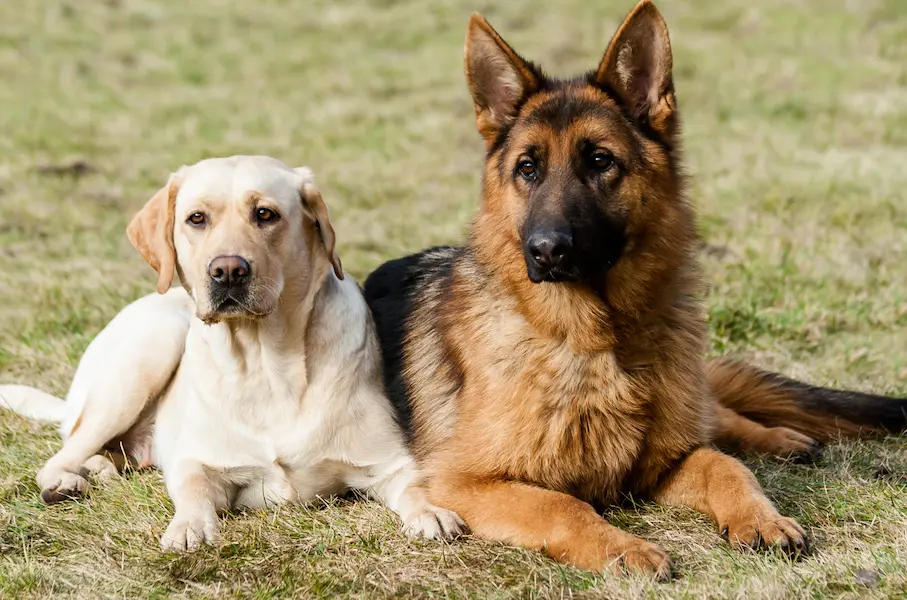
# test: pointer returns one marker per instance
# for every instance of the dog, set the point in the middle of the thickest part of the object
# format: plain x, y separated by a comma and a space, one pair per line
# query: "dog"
555, 362
256, 383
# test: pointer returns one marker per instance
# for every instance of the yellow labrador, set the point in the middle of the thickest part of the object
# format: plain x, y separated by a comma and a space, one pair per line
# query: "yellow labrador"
259, 382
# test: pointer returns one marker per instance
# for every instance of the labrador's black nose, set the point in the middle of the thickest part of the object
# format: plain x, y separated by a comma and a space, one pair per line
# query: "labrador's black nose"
230, 271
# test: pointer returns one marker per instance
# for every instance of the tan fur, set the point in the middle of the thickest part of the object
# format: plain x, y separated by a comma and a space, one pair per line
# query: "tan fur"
158, 238
642, 39
504, 82
763, 399
534, 403
315, 203
151, 233
737, 432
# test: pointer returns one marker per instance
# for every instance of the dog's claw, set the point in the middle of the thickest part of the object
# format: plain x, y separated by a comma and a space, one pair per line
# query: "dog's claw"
70, 486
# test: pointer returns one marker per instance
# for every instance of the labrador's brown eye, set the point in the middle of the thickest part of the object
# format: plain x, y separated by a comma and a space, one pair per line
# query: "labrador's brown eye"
196, 219
266, 215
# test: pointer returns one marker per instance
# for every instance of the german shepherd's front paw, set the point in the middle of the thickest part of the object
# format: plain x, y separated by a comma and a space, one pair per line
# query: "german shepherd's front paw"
603, 547
767, 529
647, 559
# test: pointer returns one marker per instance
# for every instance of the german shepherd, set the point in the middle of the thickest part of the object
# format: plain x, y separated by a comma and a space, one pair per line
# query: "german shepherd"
555, 362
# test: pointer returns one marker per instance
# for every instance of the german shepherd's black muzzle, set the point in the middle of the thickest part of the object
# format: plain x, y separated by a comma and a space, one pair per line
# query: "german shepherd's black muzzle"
549, 256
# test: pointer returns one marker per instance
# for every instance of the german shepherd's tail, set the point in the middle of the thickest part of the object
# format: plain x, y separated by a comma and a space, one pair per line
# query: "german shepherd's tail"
824, 414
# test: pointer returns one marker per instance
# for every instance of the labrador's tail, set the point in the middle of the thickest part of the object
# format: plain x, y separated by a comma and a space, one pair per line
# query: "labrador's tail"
32, 403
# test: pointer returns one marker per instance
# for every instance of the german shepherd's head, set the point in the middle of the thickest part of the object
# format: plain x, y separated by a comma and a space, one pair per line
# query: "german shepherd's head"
582, 176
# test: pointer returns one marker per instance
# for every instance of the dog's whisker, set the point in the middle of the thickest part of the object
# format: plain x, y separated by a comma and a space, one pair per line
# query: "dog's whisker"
257, 379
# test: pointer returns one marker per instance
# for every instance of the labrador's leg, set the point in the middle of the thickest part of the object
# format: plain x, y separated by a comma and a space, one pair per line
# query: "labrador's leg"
109, 462
129, 367
198, 497
724, 489
404, 495
103, 466
65, 475
566, 528
114, 406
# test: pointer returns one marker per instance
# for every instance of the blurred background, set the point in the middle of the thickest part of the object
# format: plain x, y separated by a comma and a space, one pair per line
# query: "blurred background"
795, 121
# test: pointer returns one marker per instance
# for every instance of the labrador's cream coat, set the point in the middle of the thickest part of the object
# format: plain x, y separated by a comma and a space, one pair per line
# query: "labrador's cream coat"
266, 392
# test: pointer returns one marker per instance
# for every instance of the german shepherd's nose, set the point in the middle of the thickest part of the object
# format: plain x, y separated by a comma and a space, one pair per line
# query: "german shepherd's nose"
550, 249
229, 271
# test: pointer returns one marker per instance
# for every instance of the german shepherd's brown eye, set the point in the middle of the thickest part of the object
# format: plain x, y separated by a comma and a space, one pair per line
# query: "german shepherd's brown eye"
196, 219
601, 160
266, 215
527, 169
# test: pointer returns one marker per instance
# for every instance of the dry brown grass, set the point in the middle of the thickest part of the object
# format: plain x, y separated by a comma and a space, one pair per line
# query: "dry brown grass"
796, 129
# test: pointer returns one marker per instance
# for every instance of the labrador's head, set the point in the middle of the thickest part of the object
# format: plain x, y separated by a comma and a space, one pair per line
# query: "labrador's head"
242, 233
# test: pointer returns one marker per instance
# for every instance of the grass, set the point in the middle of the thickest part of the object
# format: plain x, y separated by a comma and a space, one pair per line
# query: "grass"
796, 137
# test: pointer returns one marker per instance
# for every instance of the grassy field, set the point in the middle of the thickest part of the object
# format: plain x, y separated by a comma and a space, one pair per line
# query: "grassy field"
796, 137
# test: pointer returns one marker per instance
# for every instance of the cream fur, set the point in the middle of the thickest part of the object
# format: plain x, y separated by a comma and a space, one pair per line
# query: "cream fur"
283, 404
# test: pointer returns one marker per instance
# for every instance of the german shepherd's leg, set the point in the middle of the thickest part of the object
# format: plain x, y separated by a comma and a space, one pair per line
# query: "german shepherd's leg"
723, 488
566, 528
736, 432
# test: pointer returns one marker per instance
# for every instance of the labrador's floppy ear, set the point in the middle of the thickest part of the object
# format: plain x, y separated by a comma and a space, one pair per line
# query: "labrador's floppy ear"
311, 199
151, 233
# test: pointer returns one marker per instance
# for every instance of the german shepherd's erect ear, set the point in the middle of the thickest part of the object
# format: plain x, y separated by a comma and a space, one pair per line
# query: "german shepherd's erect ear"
498, 78
637, 67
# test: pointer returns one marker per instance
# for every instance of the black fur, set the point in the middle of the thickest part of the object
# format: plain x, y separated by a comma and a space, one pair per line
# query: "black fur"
865, 409
391, 293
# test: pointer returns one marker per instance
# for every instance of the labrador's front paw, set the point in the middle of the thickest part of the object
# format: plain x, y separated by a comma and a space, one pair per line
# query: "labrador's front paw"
58, 487
189, 533
434, 523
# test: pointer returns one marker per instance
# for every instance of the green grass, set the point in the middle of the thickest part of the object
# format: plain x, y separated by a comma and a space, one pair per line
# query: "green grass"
796, 138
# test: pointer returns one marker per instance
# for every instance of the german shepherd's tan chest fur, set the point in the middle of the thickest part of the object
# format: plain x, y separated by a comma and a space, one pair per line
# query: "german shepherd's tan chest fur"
526, 406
